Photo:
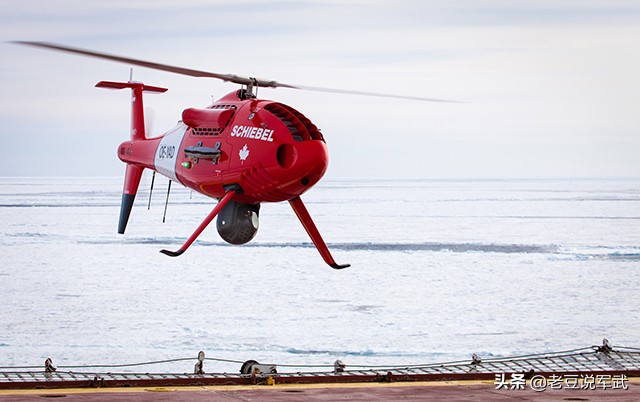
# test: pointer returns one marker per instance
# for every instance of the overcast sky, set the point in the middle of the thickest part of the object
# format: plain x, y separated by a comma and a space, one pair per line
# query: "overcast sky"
552, 87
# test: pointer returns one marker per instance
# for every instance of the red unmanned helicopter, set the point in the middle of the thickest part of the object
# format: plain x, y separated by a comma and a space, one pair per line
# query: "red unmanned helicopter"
240, 150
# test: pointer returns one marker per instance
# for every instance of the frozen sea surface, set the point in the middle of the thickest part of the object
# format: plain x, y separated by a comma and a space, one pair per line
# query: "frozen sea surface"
440, 270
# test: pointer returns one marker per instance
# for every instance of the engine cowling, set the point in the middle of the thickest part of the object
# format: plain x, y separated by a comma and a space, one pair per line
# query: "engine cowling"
238, 223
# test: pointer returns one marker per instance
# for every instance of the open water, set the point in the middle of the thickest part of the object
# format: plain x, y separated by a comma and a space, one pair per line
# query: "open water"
440, 269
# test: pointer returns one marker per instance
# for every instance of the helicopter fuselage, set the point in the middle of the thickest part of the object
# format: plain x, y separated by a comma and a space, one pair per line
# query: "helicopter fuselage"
240, 150
268, 149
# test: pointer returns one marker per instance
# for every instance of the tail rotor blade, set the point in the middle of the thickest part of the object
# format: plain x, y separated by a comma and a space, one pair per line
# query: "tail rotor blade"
149, 121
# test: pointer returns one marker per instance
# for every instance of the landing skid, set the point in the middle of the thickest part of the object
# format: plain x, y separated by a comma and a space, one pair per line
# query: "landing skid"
227, 197
170, 253
302, 214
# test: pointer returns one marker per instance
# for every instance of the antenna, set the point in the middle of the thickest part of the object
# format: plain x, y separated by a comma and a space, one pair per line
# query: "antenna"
153, 178
131, 74
166, 202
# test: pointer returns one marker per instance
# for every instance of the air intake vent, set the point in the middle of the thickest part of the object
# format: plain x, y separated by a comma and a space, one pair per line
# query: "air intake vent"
207, 131
301, 128
210, 121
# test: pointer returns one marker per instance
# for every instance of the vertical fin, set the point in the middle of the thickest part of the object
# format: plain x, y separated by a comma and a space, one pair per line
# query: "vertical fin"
137, 113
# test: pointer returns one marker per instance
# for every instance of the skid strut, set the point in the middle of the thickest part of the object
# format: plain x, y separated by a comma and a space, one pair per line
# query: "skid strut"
314, 234
223, 201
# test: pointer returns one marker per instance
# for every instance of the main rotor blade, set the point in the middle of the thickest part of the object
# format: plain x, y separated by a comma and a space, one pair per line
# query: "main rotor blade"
156, 66
374, 94
258, 82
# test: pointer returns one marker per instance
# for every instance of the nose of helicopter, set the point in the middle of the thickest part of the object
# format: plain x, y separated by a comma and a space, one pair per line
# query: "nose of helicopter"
303, 164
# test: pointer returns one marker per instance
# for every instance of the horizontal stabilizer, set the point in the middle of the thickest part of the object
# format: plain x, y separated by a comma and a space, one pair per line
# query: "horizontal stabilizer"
123, 85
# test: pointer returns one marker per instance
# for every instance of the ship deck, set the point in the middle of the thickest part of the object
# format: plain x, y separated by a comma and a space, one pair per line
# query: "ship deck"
595, 373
